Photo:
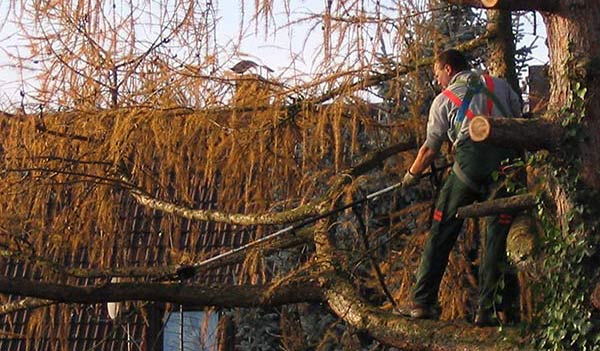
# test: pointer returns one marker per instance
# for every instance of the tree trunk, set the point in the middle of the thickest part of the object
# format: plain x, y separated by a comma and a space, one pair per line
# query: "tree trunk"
501, 47
226, 334
574, 44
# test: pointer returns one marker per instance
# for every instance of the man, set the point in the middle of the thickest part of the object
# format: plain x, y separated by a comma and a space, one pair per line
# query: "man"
469, 180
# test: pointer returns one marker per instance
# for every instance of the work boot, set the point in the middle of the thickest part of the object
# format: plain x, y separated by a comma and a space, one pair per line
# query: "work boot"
487, 318
417, 310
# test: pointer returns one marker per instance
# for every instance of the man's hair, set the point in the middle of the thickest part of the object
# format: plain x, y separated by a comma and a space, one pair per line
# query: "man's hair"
454, 58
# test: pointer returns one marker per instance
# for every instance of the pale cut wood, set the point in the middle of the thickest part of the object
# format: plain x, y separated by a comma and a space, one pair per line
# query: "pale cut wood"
479, 128
522, 241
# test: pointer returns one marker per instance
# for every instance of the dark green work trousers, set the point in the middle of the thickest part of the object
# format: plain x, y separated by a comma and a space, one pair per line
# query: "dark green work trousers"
478, 161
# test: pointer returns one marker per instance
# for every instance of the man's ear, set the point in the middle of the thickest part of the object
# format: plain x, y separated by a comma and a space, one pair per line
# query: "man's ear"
448, 69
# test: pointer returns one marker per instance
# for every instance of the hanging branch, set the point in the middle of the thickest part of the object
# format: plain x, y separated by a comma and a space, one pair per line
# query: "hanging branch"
300, 237
512, 5
375, 79
313, 208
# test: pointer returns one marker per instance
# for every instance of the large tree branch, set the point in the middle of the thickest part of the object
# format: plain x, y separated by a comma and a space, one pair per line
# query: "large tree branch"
511, 5
291, 291
393, 330
519, 133
296, 238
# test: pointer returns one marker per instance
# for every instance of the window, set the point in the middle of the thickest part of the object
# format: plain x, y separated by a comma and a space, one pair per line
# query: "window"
199, 331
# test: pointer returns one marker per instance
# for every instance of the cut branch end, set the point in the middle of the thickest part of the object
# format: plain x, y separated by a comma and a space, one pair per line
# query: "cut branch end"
479, 128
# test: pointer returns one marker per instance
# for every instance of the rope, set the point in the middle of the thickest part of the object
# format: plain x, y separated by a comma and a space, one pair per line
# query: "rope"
188, 271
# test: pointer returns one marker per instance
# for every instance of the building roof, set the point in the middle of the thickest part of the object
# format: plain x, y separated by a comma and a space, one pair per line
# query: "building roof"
147, 244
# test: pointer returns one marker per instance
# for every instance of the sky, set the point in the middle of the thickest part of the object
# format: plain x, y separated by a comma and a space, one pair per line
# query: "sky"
271, 50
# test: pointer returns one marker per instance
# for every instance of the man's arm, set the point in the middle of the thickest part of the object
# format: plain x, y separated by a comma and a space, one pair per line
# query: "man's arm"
425, 157
437, 127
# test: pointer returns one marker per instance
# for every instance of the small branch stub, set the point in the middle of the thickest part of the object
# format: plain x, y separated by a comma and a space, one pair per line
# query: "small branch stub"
489, 3
596, 296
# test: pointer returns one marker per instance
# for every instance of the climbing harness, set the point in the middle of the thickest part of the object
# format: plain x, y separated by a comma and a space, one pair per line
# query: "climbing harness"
475, 85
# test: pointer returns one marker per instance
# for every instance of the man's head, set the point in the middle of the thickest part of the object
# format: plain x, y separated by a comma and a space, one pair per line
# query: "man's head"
447, 64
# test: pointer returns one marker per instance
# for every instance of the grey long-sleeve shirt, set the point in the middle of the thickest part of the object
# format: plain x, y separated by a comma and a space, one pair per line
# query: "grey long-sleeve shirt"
443, 112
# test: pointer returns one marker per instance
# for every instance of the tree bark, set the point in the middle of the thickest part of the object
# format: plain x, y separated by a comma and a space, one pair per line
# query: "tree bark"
574, 44
501, 48
292, 291
518, 133
498, 206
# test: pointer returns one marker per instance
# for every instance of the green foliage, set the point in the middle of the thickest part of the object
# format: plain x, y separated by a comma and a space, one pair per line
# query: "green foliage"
257, 329
566, 320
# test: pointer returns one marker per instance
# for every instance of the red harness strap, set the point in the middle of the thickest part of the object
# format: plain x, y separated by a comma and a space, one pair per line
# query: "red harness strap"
489, 82
438, 215
458, 101
505, 219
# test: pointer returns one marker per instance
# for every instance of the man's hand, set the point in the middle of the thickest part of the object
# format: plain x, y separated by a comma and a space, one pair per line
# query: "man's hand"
410, 179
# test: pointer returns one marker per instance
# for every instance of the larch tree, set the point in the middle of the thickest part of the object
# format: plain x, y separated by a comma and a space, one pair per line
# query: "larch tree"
135, 106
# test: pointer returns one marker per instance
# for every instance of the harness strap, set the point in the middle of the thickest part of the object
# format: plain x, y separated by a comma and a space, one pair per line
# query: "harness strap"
489, 82
460, 174
458, 102
496, 102
489, 91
